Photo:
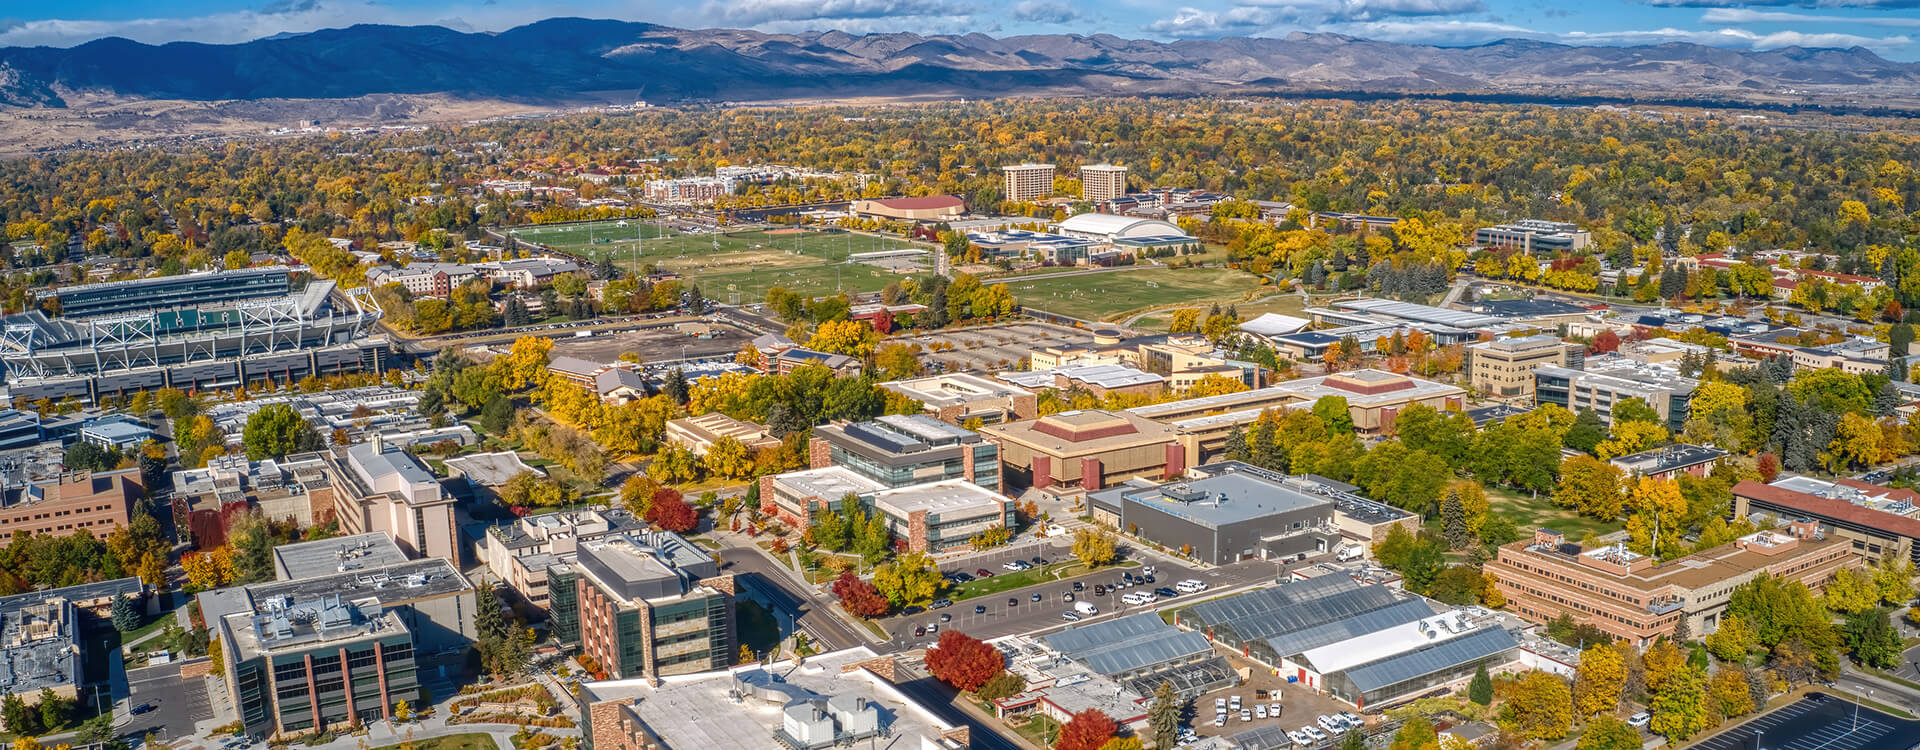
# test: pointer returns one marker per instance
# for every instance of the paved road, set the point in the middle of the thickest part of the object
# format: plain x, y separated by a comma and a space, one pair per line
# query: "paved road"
813, 612
938, 698
177, 702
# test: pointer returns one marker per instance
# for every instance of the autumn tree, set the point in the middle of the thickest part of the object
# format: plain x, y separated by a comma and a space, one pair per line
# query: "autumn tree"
671, 512
912, 578
963, 661
1732, 640
1087, 730
1093, 547
1600, 679
1590, 487
277, 430
859, 597
1729, 693
1609, 733
1539, 706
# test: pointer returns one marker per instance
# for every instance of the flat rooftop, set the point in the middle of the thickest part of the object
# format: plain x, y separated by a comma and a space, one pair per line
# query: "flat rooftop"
1223, 499
1084, 431
953, 389
391, 585
709, 711
374, 549
949, 497
829, 483
491, 469
1369, 387
1419, 313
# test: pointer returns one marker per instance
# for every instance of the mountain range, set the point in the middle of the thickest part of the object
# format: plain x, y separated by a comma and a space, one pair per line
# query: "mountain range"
566, 61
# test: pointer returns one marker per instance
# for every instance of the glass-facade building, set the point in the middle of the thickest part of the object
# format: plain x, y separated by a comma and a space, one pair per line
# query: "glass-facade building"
300, 669
903, 450
642, 605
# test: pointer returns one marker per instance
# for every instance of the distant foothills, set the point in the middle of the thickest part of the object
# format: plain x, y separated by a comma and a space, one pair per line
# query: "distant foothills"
570, 60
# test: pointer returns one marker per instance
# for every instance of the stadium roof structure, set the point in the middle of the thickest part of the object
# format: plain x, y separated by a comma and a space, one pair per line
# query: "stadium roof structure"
1113, 226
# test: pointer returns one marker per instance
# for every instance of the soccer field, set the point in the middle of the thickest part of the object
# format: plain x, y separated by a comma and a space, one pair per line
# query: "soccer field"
1110, 295
755, 260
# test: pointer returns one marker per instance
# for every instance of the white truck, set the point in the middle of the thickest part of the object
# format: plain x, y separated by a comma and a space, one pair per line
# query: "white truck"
1086, 608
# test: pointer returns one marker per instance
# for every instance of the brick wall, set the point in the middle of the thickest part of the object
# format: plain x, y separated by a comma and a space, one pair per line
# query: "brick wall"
198, 668
1026, 406
819, 455
917, 531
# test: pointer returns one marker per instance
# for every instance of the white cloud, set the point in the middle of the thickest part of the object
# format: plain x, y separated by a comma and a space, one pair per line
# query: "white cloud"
1744, 15
1324, 11
1867, 4
1045, 11
1194, 22
1735, 38
758, 13
1449, 32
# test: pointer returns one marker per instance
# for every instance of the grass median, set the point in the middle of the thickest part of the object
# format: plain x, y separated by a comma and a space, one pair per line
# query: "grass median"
1004, 582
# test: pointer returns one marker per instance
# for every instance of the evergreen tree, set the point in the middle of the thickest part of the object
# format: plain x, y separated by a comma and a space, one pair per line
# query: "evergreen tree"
19, 719
53, 710
1682, 630
1453, 522
1236, 448
1887, 398
124, 616
1480, 690
676, 386
1164, 716
488, 623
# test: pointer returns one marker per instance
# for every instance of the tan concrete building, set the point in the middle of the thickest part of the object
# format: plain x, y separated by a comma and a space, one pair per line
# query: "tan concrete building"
698, 434
957, 397
379, 487
1028, 182
1633, 597
1376, 397
1503, 368
1102, 182
1089, 450
928, 208
96, 503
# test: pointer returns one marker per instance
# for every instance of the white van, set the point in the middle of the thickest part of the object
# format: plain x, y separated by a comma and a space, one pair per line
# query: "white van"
1086, 608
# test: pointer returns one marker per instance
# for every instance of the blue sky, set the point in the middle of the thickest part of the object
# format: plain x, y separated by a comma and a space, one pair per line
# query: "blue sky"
1889, 27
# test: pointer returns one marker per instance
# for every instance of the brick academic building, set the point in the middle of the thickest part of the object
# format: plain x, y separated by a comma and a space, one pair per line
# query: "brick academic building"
1631, 596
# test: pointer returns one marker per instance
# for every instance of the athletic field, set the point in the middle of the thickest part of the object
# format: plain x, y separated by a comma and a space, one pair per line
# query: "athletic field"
754, 260
1110, 295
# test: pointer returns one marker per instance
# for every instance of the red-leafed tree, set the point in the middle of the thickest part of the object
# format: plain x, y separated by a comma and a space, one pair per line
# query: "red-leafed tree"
858, 596
1768, 466
964, 661
1088, 730
883, 322
1604, 342
672, 513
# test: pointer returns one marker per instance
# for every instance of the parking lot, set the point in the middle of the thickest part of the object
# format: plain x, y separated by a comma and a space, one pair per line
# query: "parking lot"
176, 702
993, 348
656, 344
1819, 721
1299, 706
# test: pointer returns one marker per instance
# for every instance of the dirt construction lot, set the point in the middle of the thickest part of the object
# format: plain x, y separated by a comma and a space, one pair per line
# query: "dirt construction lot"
1299, 705
993, 348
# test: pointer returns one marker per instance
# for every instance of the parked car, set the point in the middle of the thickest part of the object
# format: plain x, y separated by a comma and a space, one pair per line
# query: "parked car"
1234, 703
1315, 733
1640, 719
1012, 602
913, 610
961, 577
1148, 569
1070, 616
1273, 710
983, 573
1219, 704
1330, 723
1246, 715
1259, 710
1038, 560
933, 627
141, 709
1036, 596
1078, 586
1165, 593
1219, 719
1066, 597
944, 617
979, 609
1353, 722
919, 631
1300, 738
1015, 565
941, 604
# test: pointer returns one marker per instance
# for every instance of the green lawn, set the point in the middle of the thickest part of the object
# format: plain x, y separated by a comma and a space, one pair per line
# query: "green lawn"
1005, 581
1530, 513
468, 741
816, 280
1103, 296
1038, 729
